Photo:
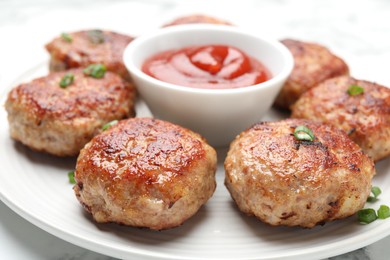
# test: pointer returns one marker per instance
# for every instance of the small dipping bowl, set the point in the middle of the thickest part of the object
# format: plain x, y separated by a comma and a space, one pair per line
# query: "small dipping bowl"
217, 114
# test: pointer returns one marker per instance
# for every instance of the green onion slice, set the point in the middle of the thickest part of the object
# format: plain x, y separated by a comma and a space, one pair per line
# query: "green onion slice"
71, 177
96, 36
376, 191
95, 70
109, 124
303, 133
66, 80
366, 216
66, 37
383, 212
354, 90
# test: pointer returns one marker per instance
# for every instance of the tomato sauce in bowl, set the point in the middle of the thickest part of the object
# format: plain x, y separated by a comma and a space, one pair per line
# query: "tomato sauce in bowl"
203, 77
207, 67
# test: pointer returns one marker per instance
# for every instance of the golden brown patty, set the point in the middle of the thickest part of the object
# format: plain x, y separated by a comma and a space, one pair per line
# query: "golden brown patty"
197, 18
79, 49
146, 173
313, 64
284, 181
60, 121
365, 117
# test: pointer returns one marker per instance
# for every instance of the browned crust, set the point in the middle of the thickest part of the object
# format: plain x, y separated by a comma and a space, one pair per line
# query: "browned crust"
86, 97
81, 51
365, 117
284, 181
197, 18
60, 121
143, 154
307, 158
313, 63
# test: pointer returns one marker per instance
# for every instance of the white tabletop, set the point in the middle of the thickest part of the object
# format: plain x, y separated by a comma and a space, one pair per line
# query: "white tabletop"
358, 30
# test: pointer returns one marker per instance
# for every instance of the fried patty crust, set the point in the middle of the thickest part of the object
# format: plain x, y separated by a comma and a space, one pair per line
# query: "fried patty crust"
285, 181
313, 63
365, 117
82, 48
61, 120
197, 18
145, 172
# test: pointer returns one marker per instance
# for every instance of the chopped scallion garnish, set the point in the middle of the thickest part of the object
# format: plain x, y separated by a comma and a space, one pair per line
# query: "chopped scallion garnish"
383, 212
66, 37
366, 216
95, 70
376, 191
109, 124
71, 177
96, 36
66, 80
303, 133
354, 90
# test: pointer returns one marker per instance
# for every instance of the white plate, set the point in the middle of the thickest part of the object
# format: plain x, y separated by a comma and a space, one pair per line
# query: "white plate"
36, 186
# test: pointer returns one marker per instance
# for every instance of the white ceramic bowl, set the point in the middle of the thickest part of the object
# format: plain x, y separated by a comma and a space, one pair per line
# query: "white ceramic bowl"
217, 114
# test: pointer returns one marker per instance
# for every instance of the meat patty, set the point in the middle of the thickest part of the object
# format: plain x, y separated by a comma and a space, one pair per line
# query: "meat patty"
60, 121
82, 48
365, 117
197, 18
145, 172
313, 64
285, 181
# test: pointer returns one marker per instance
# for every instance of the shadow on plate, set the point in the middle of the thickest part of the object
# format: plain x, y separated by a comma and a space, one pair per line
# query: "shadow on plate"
35, 157
382, 167
274, 235
145, 236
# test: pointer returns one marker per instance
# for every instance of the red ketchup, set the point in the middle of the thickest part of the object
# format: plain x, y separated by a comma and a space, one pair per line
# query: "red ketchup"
209, 66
